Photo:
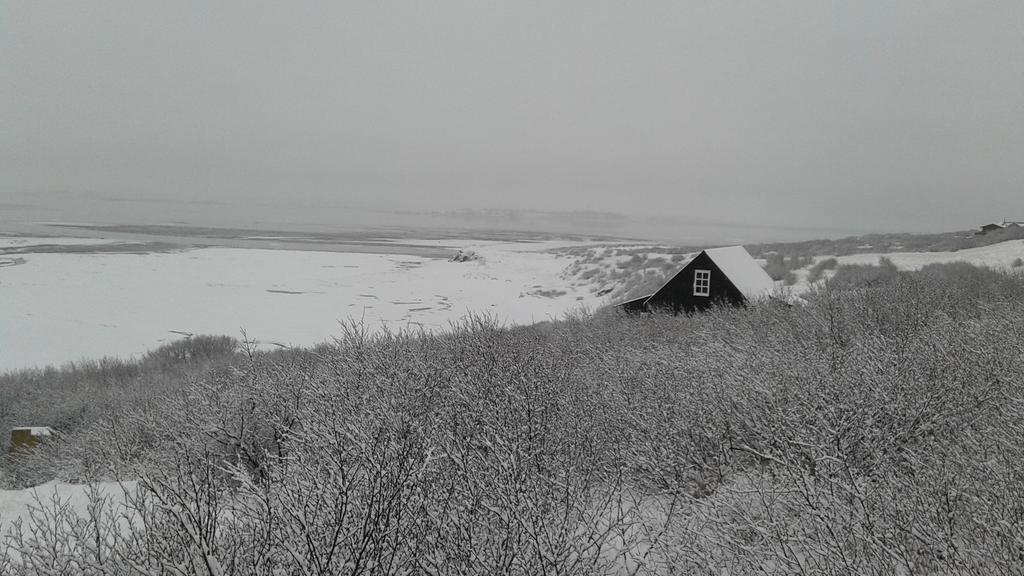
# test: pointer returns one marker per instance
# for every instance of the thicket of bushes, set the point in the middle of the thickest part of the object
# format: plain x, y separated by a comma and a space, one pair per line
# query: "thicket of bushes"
82, 393
780, 267
877, 430
818, 270
622, 272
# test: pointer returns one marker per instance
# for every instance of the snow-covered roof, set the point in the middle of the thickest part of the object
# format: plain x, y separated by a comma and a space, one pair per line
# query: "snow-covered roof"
743, 271
35, 430
641, 299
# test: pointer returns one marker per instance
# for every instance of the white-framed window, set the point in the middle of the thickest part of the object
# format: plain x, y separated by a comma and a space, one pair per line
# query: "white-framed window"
701, 282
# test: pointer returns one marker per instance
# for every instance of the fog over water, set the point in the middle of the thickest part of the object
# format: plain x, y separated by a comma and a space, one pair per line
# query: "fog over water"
763, 120
33, 213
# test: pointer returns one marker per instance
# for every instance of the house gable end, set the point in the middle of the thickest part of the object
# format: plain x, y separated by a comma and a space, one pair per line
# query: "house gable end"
678, 293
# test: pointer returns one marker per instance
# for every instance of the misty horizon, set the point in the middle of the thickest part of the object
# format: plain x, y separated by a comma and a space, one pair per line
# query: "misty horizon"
35, 214
829, 118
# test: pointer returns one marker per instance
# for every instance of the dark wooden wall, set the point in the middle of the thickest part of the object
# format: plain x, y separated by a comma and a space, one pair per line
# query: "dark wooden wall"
677, 295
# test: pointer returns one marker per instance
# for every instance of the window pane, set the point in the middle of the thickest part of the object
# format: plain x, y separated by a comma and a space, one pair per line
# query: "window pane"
701, 282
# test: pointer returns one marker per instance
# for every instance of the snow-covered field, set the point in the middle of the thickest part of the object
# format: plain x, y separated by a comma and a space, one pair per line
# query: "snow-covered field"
59, 307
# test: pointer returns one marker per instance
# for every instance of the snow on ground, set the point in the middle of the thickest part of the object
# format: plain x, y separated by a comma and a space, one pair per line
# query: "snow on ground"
20, 504
22, 241
469, 243
58, 307
61, 307
999, 256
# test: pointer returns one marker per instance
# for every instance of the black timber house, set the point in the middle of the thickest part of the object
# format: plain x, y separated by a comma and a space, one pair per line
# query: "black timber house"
716, 276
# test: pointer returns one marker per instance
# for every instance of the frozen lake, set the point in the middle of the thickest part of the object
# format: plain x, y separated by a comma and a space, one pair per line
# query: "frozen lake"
59, 307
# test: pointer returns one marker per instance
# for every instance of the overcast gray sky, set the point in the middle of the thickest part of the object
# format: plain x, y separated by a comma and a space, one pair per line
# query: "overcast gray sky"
867, 115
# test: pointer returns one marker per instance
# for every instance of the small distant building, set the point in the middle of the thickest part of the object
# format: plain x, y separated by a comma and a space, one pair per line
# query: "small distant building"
1004, 225
726, 275
27, 437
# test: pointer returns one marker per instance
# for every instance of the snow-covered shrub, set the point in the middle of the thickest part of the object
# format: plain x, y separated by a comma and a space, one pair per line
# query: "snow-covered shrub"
465, 256
861, 275
818, 270
778, 266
